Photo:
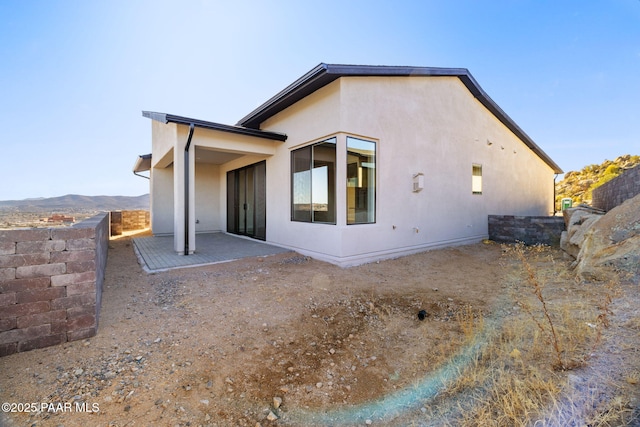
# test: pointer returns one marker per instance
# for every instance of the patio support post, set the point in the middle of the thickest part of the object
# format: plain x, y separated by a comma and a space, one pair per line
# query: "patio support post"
184, 239
187, 181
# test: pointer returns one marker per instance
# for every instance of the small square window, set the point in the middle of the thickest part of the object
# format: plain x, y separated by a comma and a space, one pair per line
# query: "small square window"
476, 179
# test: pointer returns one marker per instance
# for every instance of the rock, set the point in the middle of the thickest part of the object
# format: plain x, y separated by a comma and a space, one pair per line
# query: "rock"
78, 372
612, 242
272, 416
277, 401
577, 222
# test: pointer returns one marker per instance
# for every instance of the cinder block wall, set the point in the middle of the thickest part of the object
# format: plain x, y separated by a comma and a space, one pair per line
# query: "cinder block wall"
613, 193
531, 230
51, 284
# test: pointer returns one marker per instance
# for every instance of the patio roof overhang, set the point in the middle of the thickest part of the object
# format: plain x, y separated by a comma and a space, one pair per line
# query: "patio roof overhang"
239, 130
143, 163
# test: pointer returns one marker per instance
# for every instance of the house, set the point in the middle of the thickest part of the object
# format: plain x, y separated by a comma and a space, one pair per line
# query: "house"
350, 164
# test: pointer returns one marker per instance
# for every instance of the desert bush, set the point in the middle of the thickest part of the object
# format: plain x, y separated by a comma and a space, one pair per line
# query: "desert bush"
553, 325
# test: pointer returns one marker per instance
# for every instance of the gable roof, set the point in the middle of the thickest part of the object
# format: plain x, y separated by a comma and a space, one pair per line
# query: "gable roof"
323, 74
171, 118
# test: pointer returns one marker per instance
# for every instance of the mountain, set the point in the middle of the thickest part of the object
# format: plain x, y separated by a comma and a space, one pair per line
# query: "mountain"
578, 184
78, 202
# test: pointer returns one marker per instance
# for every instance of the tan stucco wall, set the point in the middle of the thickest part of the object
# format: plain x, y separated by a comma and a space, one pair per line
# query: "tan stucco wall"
229, 142
432, 126
207, 191
162, 200
165, 137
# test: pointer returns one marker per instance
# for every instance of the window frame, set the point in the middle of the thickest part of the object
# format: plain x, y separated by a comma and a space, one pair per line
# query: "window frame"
476, 180
372, 177
331, 173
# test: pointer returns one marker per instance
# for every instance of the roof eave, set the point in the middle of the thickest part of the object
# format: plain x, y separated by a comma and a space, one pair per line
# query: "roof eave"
477, 91
324, 74
143, 163
305, 85
171, 118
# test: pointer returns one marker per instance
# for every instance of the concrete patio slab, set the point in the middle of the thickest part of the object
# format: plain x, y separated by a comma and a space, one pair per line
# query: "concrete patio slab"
156, 252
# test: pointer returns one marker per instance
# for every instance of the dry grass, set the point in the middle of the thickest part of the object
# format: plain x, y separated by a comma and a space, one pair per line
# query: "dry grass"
524, 376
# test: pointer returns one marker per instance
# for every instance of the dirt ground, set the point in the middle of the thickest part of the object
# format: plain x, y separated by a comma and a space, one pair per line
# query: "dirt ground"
281, 340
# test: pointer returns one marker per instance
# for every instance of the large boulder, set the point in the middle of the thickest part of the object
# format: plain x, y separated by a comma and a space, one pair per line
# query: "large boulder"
577, 222
612, 242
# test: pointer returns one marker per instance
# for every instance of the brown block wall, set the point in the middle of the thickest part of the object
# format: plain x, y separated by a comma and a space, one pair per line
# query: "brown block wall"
615, 192
129, 221
51, 284
530, 230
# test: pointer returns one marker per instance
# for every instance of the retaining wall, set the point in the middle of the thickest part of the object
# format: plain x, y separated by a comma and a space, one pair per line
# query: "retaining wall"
122, 221
613, 193
531, 230
51, 284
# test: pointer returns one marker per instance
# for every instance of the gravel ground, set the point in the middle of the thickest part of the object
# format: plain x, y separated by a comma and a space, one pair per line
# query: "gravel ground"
283, 340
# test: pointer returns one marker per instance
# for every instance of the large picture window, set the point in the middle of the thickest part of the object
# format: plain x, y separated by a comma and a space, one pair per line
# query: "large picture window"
313, 183
361, 181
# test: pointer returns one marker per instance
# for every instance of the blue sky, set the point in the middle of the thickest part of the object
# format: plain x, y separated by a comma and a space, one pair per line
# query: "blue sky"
75, 75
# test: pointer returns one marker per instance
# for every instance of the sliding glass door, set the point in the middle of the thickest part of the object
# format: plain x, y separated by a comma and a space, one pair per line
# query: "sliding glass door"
246, 201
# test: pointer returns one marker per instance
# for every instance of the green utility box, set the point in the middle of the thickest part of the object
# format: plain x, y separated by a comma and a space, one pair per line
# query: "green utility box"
566, 203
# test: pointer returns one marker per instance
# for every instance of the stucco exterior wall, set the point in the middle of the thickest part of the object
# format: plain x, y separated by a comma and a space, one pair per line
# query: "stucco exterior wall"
227, 142
312, 119
207, 191
162, 201
164, 137
432, 126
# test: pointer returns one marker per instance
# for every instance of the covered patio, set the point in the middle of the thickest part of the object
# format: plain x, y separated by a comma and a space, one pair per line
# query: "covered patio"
156, 253
191, 191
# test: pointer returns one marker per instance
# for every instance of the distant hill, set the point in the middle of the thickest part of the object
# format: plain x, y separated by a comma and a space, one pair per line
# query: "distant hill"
78, 202
578, 185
